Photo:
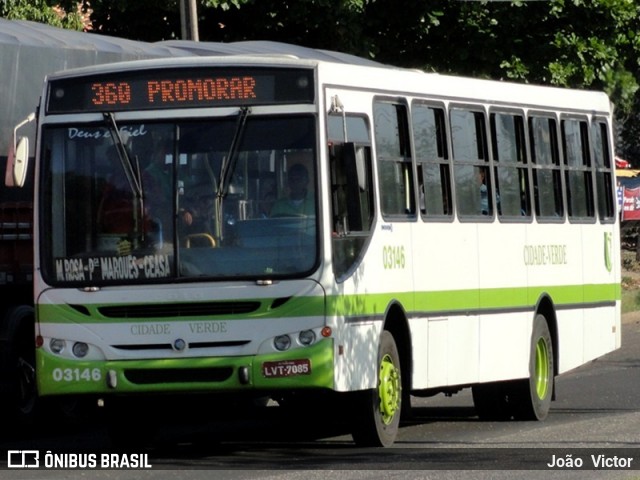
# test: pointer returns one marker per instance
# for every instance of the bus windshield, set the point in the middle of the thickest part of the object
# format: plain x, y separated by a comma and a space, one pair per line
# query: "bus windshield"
231, 197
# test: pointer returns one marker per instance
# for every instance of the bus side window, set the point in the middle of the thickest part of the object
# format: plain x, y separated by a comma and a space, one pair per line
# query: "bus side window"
509, 153
434, 178
577, 159
471, 173
394, 159
352, 205
604, 175
547, 179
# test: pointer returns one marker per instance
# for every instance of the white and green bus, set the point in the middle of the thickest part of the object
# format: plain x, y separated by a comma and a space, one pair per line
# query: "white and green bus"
315, 228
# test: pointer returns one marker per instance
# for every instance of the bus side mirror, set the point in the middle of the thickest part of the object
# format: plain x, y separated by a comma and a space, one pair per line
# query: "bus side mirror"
18, 158
17, 164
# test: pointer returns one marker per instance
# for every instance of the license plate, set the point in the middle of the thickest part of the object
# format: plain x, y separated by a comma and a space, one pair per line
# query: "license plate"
286, 368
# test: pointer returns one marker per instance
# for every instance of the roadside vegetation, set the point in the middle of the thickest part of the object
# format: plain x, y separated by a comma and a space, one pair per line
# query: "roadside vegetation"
586, 44
630, 281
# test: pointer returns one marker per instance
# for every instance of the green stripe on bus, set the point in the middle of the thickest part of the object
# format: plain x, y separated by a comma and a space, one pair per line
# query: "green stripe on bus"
375, 305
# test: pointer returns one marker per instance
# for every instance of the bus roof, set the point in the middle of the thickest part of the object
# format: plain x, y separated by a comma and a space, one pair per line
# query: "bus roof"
411, 80
267, 48
381, 79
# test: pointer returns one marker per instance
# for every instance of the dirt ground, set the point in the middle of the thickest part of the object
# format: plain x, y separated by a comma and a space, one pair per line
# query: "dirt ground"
631, 317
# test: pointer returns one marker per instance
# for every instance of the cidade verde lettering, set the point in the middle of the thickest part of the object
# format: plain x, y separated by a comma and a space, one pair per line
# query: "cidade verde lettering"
540, 255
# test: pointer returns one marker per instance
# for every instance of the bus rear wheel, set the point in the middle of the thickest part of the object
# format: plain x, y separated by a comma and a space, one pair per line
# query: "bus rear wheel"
376, 412
527, 399
536, 392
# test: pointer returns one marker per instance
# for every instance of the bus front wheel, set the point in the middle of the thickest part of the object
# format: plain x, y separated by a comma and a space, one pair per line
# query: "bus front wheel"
376, 413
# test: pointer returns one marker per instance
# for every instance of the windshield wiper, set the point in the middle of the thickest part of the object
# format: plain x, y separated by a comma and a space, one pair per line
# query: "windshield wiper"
229, 162
228, 167
131, 170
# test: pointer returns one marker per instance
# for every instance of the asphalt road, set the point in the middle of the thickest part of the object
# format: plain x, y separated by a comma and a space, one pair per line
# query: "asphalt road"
595, 418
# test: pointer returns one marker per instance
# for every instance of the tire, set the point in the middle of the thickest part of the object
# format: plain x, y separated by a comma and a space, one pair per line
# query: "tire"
528, 399
22, 364
376, 412
537, 391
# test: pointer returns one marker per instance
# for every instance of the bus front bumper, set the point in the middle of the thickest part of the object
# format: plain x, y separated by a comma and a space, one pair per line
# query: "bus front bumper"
311, 367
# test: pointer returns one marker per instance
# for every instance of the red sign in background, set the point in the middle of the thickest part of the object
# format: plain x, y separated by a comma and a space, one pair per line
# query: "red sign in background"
631, 204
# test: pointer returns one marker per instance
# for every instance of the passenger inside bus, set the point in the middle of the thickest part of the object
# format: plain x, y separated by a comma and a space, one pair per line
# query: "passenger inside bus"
116, 207
197, 217
158, 186
484, 191
121, 215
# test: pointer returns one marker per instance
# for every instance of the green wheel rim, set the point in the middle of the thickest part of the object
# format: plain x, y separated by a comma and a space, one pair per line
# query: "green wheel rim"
542, 369
389, 389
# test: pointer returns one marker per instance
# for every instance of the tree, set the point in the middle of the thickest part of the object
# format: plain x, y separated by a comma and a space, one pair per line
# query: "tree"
145, 20
44, 11
577, 43
328, 24
590, 44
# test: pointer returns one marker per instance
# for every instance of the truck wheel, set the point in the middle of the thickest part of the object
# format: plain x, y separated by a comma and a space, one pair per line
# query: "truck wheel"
376, 412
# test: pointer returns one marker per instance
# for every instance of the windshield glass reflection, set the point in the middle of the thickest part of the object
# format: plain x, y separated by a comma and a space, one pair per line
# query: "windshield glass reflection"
162, 201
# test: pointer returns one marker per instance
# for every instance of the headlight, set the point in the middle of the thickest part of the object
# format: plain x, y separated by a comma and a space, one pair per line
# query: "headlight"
282, 342
57, 345
306, 337
80, 349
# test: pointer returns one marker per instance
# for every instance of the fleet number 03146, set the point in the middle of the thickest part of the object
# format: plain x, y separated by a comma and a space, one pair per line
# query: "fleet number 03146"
77, 375
393, 257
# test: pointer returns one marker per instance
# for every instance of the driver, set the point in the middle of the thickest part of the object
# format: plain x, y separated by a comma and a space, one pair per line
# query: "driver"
298, 202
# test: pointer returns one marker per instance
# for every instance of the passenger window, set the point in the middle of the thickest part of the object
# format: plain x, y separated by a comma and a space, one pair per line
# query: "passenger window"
509, 153
394, 159
471, 171
578, 176
604, 174
547, 177
434, 176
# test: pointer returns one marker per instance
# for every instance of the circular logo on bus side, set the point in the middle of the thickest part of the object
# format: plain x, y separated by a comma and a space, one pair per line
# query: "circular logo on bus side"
179, 345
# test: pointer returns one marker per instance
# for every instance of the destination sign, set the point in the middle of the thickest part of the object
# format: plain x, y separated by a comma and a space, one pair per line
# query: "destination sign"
180, 88
105, 268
